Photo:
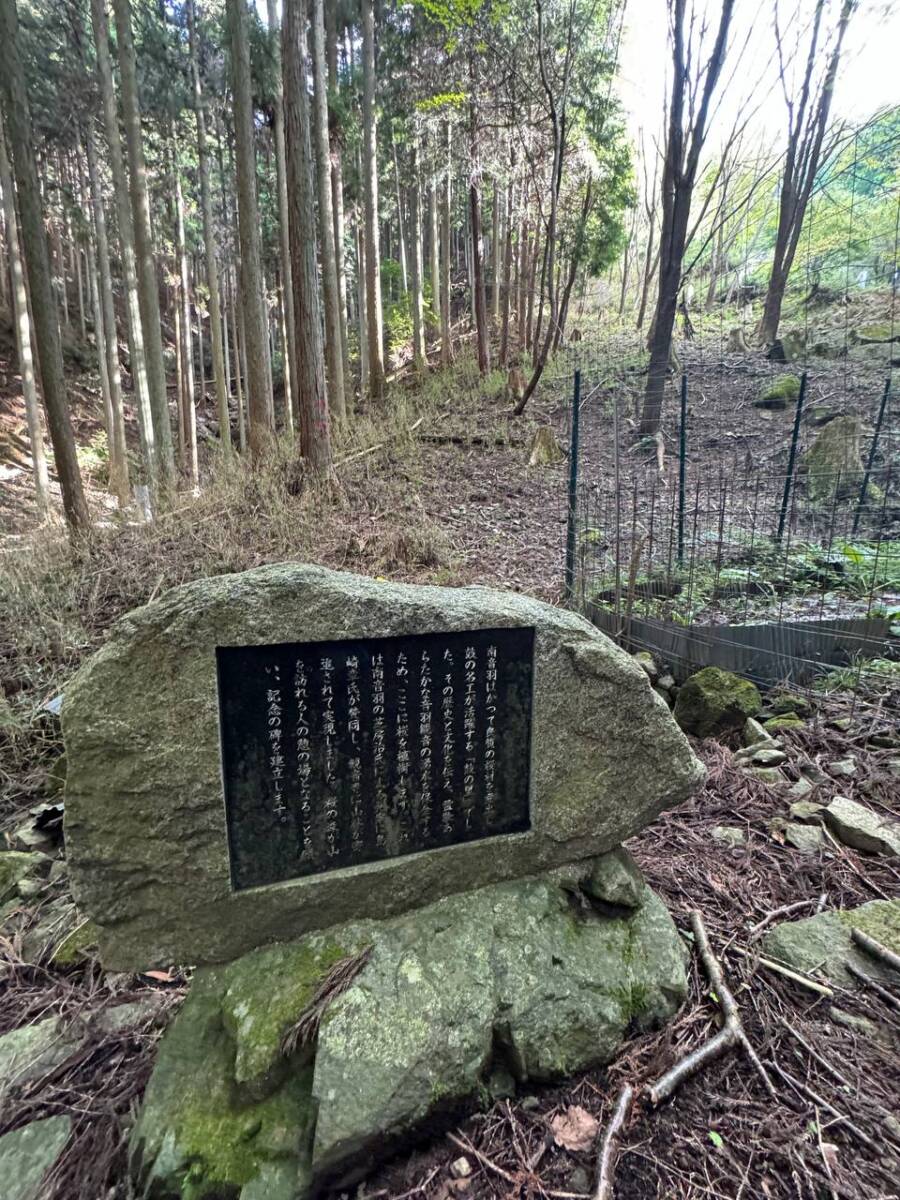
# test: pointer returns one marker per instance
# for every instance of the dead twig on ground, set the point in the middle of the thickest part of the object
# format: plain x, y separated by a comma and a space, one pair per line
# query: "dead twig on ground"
813, 1053
466, 1146
732, 1032
814, 1096
755, 930
779, 969
888, 997
609, 1147
875, 948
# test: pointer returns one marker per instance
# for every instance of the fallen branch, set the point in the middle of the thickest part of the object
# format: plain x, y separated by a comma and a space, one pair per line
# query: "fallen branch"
756, 930
358, 454
609, 1147
732, 1032
888, 997
795, 976
371, 449
458, 439
876, 949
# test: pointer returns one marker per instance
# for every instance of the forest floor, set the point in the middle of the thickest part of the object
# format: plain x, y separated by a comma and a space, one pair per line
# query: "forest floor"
438, 489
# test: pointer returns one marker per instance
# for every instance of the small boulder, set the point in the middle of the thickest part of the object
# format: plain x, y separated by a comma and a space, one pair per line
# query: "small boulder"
768, 775
32, 1051
617, 880
806, 810
15, 867
845, 768
28, 1153
789, 702
729, 835
808, 839
814, 773
833, 465
766, 756
800, 789
861, 828
824, 943
779, 393
645, 661
715, 702
753, 733
76, 945
513, 976
778, 724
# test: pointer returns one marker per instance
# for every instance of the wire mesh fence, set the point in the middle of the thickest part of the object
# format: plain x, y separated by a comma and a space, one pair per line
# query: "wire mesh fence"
759, 528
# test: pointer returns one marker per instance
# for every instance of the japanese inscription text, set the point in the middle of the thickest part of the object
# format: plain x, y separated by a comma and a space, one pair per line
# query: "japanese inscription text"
337, 753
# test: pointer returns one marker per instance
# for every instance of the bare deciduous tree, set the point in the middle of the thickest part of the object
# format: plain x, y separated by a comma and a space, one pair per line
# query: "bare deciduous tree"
807, 114
694, 82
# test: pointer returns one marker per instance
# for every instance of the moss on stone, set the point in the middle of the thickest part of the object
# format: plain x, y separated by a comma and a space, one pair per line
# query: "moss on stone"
823, 943
782, 721
513, 978
75, 945
785, 703
207, 1141
880, 919
715, 701
779, 393
877, 331
265, 993
833, 465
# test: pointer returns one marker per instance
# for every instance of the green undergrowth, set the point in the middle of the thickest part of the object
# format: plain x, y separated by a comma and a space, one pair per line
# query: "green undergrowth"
865, 676
754, 584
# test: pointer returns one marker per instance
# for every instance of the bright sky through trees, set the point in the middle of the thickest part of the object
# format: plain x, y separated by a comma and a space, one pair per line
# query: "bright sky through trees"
868, 79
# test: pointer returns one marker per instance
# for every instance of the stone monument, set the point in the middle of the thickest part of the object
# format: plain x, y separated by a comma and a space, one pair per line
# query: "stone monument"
388, 818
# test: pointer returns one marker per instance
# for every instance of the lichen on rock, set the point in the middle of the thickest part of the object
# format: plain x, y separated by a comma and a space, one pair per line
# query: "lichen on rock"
824, 943
521, 979
833, 466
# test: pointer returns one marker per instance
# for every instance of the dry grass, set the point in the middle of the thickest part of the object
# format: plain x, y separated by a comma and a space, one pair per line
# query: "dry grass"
58, 600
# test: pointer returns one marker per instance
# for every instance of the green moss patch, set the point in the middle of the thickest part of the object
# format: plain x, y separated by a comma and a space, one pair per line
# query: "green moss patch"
779, 393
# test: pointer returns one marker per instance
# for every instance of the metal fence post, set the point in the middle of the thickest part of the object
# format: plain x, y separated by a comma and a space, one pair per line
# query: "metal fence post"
572, 501
682, 467
792, 456
885, 396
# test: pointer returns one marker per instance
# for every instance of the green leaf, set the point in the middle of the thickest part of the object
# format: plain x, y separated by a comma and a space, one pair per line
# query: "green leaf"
716, 1139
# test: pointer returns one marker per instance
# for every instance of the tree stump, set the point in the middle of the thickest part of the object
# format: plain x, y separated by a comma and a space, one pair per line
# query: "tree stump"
545, 449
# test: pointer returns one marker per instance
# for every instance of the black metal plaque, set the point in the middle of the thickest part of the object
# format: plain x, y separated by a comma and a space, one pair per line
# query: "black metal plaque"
336, 753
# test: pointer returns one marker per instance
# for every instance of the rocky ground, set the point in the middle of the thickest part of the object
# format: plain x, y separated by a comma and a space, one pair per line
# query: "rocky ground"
789, 827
